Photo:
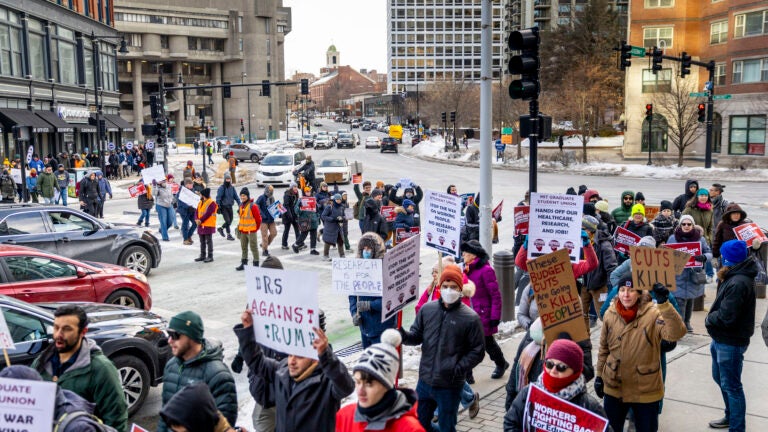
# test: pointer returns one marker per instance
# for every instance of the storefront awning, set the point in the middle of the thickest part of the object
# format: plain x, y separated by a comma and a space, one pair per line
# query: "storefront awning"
84, 128
55, 121
11, 117
119, 122
111, 127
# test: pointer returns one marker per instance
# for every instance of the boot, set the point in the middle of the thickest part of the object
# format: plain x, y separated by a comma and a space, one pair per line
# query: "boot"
241, 267
256, 263
229, 237
499, 371
221, 231
209, 259
200, 258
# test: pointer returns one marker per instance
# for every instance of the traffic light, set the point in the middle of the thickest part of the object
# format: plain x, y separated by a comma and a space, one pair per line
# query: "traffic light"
453, 116
657, 53
162, 128
154, 106
442, 116
624, 62
702, 113
305, 86
227, 90
242, 125
685, 65
526, 64
648, 110
265, 88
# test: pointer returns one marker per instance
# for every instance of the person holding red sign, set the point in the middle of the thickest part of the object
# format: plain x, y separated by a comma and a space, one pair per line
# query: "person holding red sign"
692, 281
309, 221
733, 217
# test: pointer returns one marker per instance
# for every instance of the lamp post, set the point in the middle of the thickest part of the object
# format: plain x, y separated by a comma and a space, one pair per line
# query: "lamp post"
101, 127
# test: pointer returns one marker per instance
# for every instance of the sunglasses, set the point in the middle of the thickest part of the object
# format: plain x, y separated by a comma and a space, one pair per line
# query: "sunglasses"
560, 367
686, 224
627, 198
173, 334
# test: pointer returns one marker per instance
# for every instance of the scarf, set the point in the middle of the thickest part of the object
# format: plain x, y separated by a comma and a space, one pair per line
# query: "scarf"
306, 373
568, 392
555, 384
683, 237
628, 315
527, 357
379, 407
706, 206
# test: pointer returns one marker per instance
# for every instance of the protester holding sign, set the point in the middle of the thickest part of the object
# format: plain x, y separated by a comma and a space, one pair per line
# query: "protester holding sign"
580, 268
691, 282
333, 230
309, 221
405, 215
733, 217
268, 224
187, 212
145, 202
630, 342
373, 221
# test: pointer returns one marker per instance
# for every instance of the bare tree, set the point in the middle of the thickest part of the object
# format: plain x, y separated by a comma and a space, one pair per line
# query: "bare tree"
463, 97
681, 112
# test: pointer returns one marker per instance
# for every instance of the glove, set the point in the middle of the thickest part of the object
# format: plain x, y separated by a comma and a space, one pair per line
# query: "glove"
661, 293
413, 185
584, 238
700, 258
495, 323
756, 243
237, 364
340, 218
599, 387
363, 306
356, 320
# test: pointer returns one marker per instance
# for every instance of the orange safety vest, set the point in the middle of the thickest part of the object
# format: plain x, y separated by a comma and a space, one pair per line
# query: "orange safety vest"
247, 223
202, 207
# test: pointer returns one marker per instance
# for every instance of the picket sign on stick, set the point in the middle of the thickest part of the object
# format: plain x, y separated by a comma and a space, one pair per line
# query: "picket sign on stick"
652, 265
6, 340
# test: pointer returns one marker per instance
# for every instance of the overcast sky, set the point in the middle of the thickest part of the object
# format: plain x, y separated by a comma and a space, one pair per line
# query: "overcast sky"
358, 28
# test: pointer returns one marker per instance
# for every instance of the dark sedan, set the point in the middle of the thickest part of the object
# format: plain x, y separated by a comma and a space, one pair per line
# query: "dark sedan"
135, 340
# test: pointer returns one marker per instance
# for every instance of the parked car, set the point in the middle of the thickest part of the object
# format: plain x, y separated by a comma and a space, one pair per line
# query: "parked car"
345, 140
334, 166
309, 140
389, 144
277, 167
366, 126
372, 142
323, 142
135, 340
77, 235
244, 152
317, 123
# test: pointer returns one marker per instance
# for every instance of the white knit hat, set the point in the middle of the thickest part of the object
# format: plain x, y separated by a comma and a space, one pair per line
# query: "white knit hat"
688, 218
381, 360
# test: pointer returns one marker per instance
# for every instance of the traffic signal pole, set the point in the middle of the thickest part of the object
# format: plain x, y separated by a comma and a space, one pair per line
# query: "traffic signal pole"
486, 114
710, 114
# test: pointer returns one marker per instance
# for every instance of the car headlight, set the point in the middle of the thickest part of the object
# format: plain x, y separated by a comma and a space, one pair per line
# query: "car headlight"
140, 276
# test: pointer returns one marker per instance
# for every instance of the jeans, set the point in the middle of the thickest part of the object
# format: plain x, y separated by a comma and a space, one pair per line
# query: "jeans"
188, 225
368, 341
62, 196
144, 217
646, 414
446, 400
164, 214
709, 269
686, 309
727, 362
467, 395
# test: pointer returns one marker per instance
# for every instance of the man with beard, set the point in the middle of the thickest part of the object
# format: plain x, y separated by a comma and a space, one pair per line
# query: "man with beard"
77, 364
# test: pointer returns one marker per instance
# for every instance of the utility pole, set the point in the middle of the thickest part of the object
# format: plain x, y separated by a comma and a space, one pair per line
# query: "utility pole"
486, 120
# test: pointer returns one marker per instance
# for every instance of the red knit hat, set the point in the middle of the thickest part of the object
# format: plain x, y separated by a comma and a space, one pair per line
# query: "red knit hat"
452, 273
568, 352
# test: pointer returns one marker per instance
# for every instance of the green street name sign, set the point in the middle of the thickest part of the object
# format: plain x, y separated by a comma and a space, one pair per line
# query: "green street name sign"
506, 131
637, 51
699, 94
719, 97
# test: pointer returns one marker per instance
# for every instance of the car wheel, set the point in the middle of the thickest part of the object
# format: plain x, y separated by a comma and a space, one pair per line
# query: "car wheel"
134, 376
137, 258
254, 159
124, 297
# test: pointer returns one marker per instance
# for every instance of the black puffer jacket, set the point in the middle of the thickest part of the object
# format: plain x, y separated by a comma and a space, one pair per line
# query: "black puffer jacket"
606, 257
731, 318
642, 229
373, 221
678, 205
452, 342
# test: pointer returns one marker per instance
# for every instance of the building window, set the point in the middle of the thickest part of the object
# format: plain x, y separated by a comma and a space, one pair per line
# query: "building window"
750, 71
133, 39
192, 43
720, 74
658, 134
164, 42
718, 32
240, 44
747, 135
269, 47
657, 83
751, 24
63, 57
654, 36
269, 69
239, 24
649, 4
267, 25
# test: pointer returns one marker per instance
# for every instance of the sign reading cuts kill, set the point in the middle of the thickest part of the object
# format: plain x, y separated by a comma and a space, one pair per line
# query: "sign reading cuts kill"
651, 265
554, 223
401, 277
356, 276
285, 309
441, 229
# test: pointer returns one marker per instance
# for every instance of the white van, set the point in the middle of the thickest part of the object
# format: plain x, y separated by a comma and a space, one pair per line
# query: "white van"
277, 167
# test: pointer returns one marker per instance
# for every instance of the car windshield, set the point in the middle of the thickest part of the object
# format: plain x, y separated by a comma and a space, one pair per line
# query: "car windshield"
345, 135
307, 136
277, 160
332, 163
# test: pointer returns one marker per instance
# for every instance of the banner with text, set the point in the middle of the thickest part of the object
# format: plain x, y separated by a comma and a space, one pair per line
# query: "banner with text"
545, 412
27, 405
285, 309
442, 230
137, 190
497, 211
189, 197
623, 239
357, 276
521, 220
692, 248
749, 233
401, 277
554, 223
153, 173
277, 209
388, 213
651, 265
402, 234
308, 204
651, 211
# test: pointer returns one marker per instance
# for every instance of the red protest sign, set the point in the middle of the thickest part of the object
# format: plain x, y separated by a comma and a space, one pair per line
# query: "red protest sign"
388, 212
623, 239
174, 188
547, 412
308, 204
137, 190
496, 213
749, 233
521, 219
401, 234
691, 248
357, 179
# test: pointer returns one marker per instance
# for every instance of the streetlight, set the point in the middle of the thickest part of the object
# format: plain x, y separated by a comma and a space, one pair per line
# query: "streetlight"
101, 128
242, 81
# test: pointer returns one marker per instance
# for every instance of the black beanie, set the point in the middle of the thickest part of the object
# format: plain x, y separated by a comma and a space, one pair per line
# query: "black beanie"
639, 196
589, 209
206, 192
666, 205
246, 192
272, 262
582, 189
571, 191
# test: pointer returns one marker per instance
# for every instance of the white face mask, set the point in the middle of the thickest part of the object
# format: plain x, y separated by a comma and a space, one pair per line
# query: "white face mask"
450, 296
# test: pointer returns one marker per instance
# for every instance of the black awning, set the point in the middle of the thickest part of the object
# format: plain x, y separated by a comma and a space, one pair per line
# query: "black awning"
18, 117
84, 128
119, 122
55, 121
111, 127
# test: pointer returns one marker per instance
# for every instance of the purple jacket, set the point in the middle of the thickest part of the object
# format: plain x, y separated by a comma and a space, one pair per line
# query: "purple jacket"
487, 299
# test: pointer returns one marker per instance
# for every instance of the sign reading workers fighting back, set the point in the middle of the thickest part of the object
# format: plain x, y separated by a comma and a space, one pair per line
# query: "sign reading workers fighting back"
285, 309
554, 223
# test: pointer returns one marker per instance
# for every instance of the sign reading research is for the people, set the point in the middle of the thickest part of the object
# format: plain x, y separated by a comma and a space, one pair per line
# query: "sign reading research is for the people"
356, 276
554, 223
285, 309
441, 230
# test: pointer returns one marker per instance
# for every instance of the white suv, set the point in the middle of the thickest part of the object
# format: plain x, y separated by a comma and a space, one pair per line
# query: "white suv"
277, 167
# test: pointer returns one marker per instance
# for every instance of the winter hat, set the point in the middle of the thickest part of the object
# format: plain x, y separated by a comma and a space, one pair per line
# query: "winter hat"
407, 203
246, 192
293, 184
475, 248
227, 176
169, 177
589, 209
381, 360
452, 273
568, 352
582, 189
733, 252
272, 262
626, 281
570, 191
192, 407
666, 205
688, 218
638, 208
20, 372
702, 191
188, 323
589, 223
379, 184
189, 163
376, 193
323, 184
602, 205
639, 196
337, 197
206, 192
647, 241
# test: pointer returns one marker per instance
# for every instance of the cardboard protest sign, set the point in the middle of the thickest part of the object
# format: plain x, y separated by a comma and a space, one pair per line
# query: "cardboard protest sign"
357, 179
554, 289
651, 212
285, 309
357, 276
546, 412
27, 405
401, 234
388, 213
308, 204
521, 220
137, 190
155, 173
623, 239
189, 197
442, 217
6, 339
277, 209
554, 223
749, 233
401, 277
651, 265
692, 248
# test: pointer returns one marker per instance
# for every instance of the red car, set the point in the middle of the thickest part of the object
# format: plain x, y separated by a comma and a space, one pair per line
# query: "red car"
37, 276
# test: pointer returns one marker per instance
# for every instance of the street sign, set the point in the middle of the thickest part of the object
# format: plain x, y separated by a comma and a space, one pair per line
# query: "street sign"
506, 131
637, 51
699, 94
150, 145
719, 97
129, 145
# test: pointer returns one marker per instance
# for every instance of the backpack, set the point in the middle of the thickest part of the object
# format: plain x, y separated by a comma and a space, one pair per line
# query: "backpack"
63, 422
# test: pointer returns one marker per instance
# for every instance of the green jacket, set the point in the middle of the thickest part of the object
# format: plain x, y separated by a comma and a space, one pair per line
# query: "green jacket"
95, 378
46, 184
702, 218
623, 212
207, 366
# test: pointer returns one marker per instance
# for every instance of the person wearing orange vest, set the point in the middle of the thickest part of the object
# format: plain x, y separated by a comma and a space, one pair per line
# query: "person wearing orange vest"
247, 228
205, 217
232, 165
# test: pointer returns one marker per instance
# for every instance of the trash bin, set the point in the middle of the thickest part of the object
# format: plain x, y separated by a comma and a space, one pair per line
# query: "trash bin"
504, 266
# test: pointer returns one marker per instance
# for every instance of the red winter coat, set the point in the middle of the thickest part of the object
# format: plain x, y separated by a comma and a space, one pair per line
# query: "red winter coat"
408, 422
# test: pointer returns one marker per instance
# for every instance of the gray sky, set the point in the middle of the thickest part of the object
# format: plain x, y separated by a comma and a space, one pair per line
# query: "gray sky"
358, 28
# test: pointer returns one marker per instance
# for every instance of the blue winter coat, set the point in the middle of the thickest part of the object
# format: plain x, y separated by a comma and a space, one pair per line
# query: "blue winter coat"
227, 196
404, 219
686, 289
331, 224
263, 202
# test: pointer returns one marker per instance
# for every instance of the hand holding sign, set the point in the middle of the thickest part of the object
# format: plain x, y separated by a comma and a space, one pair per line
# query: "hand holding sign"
321, 341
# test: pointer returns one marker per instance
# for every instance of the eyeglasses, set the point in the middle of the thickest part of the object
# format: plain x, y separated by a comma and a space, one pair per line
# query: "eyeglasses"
560, 367
173, 334
686, 224
627, 198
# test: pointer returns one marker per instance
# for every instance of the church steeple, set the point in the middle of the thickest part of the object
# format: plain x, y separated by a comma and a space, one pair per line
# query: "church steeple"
332, 58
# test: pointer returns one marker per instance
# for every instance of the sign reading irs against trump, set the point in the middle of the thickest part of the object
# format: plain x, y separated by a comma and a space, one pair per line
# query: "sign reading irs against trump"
285, 309
548, 413
554, 223
442, 228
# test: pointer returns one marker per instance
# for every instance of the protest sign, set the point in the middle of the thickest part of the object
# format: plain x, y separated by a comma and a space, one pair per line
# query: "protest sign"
554, 289
547, 412
554, 223
349, 213
155, 173
276, 209
357, 179
174, 187
623, 239
651, 212
401, 277
402, 234
388, 212
6, 340
137, 428
651, 265
188, 197
404, 183
692, 248
308, 204
137, 190
467, 199
521, 220
285, 309
356, 276
442, 216
496, 213
750, 232
27, 405
16, 175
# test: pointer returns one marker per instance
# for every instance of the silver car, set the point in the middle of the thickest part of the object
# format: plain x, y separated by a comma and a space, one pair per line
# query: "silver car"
244, 152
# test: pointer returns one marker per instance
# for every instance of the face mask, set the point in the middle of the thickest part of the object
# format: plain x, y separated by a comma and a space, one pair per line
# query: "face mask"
367, 254
409, 195
450, 296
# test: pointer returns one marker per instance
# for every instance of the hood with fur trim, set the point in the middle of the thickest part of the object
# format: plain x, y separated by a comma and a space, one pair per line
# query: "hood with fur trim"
373, 241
